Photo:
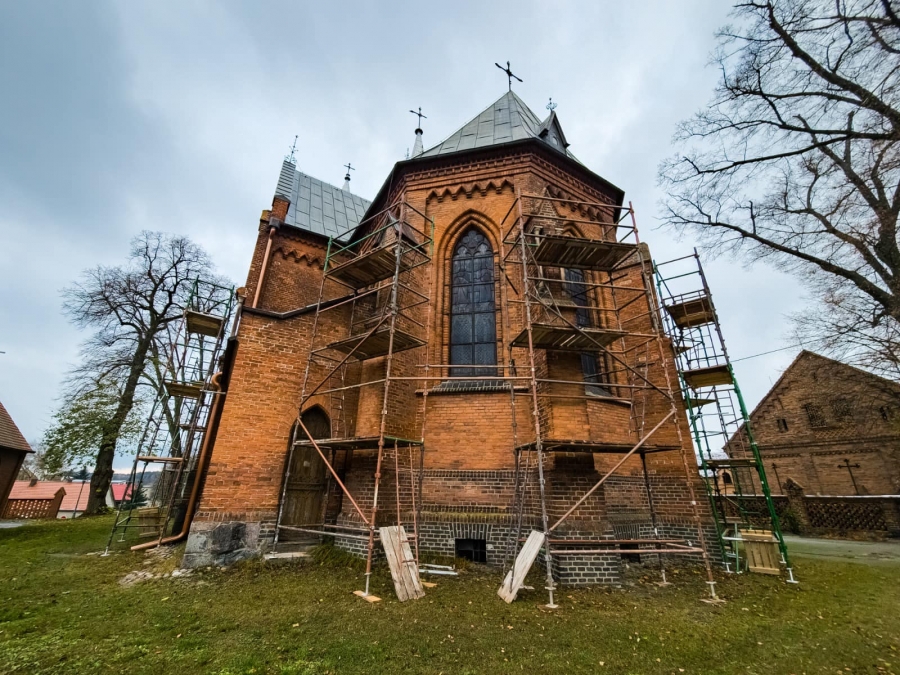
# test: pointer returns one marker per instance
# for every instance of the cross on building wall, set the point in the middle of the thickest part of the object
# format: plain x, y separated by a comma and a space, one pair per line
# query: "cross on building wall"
777, 480
847, 465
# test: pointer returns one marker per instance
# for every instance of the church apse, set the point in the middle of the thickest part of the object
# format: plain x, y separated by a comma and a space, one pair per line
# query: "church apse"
480, 339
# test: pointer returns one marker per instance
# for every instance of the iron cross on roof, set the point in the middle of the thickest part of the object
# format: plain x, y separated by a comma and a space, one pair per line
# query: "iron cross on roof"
349, 169
290, 157
420, 116
509, 73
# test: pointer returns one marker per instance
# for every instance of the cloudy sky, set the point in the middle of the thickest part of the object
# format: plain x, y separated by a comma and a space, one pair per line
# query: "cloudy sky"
124, 116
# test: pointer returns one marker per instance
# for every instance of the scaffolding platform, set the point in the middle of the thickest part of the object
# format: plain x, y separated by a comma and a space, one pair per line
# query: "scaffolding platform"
717, 414
184, 389
593, 447
731, 463
578, 253
203, 324
377, 265
360, 443
566, 338
713, 376
699, 402
690, 313
370, 346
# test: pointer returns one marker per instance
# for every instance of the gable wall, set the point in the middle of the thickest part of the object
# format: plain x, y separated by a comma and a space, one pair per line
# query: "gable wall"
811, 455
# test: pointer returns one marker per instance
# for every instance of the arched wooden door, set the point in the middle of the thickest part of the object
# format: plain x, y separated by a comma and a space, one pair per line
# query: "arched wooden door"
303, 498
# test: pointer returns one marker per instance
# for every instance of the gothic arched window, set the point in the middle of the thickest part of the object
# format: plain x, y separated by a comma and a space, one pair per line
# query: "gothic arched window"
473, 329
577, 287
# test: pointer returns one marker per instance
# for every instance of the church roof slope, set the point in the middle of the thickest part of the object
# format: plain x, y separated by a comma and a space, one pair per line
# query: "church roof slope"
317, 206
10, 436
506, 120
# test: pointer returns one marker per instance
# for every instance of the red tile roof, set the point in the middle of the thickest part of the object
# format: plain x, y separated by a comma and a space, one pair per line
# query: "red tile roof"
118, 491
10, 436
75, 499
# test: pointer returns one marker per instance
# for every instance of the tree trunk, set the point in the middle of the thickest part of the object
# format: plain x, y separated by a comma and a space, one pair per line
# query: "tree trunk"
103, 470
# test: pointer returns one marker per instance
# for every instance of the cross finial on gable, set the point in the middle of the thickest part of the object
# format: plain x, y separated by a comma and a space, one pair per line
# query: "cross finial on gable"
551, 106
509, 73
290, 157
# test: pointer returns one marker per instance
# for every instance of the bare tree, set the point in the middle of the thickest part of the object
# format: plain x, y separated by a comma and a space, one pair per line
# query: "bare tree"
130, 308
795, 161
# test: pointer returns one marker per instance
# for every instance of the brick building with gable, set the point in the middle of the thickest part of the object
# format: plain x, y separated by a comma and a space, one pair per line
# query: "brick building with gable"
830, 429
456, 456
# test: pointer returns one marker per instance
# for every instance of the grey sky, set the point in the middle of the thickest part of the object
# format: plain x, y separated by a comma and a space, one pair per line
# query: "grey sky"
118, 117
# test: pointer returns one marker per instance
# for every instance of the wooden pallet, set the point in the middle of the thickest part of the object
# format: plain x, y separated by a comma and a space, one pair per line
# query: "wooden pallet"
761, 550
404, 568
515, 578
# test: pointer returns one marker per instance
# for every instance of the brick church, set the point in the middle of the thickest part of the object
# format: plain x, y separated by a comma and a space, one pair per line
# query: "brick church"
473, 353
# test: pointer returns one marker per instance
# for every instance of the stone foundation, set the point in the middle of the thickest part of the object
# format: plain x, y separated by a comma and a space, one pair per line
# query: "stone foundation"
225, 543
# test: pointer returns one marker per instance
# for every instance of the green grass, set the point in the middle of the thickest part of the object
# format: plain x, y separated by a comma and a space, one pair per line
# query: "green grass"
62, 611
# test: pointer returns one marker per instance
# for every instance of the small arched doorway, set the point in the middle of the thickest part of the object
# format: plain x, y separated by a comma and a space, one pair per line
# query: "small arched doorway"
304, 495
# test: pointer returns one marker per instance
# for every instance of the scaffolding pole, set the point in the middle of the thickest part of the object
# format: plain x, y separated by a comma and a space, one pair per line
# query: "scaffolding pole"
546, 327
716, 412
181, 415
371, 265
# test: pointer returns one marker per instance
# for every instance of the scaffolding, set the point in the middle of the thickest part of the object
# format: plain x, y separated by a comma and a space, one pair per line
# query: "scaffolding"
354, 336
588, 295
720, 424
179, 418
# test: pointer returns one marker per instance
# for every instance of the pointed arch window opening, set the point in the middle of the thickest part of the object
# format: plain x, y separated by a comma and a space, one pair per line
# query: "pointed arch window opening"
592, 364
473, 319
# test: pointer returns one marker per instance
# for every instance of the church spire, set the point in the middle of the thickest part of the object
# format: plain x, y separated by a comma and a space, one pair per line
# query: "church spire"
418, 148
346, 186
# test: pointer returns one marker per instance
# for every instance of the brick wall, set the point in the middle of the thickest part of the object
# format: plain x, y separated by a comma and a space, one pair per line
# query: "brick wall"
819, 413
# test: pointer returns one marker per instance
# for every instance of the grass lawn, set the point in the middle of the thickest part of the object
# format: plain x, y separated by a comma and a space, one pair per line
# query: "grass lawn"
62, 611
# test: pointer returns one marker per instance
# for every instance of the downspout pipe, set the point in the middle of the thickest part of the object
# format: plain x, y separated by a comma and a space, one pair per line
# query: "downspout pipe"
265, 264
202, 462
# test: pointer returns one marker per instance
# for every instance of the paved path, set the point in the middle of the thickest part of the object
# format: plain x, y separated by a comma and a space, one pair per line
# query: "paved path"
8, 524
863, 552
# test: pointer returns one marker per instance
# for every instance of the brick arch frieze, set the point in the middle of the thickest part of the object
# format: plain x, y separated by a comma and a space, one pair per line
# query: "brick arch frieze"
300, 256
578, 189
470, 189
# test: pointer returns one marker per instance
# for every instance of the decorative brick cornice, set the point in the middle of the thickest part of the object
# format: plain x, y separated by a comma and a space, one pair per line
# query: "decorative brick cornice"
300, 256
469, 189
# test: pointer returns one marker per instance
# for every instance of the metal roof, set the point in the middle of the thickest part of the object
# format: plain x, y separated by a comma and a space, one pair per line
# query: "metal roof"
317, 206
10, 436
506, 120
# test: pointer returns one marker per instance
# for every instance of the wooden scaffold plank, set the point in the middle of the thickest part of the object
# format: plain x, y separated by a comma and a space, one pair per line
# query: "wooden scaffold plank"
404, 568
515, 578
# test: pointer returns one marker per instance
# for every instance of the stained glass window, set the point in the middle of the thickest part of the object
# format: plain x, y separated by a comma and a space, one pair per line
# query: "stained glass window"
473, 330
